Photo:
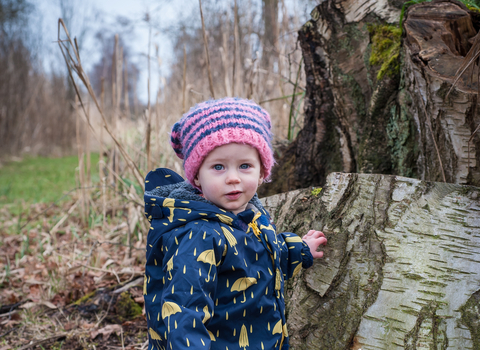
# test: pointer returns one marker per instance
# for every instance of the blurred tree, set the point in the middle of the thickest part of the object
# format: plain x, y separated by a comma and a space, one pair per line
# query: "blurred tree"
77, 17
270, 32
13, 13
105, 72
15, 64
33, 106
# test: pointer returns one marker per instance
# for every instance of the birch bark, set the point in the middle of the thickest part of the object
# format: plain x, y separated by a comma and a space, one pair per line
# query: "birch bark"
401, 268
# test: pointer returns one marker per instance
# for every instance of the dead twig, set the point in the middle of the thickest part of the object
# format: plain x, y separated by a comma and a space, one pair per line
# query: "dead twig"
64, 217
9, 331
184, 87
33, 344
102, 270
74, 65
430, 127
279, 98
11, 308
469, 59
126, 287
106, 313
292, 104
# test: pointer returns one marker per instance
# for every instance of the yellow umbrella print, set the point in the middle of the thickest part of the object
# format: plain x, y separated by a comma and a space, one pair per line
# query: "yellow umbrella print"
243, 341
208, 256
297, 270
230, 238
242, 284
168, 309
293, 239
170, 267
207, 314
225, 219
155, 336
278, 328
212, 337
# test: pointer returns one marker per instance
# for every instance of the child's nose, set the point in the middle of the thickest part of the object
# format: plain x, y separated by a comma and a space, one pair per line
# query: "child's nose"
232, 177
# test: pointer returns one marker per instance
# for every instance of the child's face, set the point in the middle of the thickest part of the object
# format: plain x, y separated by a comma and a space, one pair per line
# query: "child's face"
230, 175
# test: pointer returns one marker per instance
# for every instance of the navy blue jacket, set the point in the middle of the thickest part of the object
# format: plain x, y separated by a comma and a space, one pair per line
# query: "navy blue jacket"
213, 279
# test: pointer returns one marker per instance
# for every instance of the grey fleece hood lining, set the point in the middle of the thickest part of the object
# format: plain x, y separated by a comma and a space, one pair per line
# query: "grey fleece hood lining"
185, 191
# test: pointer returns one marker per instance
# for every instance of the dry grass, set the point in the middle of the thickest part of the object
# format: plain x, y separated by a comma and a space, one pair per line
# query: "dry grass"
52, 256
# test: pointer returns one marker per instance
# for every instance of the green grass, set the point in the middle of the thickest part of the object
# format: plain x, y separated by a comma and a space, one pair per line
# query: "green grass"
40, 179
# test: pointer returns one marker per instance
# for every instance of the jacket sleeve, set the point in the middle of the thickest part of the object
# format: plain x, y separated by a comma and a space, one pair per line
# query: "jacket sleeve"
295, 254
190, 268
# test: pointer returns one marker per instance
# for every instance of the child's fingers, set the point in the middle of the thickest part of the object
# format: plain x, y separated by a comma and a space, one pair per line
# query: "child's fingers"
315, 233
321, 241
317, 255
316, 237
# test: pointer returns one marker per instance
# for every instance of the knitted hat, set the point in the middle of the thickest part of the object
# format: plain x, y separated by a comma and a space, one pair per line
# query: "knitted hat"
214, 123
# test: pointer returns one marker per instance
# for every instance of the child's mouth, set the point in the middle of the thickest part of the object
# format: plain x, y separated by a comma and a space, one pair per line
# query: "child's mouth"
233, 195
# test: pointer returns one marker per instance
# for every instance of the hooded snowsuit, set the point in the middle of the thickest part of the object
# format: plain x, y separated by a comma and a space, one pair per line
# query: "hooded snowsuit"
213, 279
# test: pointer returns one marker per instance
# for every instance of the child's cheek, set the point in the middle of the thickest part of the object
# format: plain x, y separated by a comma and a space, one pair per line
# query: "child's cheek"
214, 190
217, 188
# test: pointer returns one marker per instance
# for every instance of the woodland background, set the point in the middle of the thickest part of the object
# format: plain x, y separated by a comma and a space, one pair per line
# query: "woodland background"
77, 140
71, 190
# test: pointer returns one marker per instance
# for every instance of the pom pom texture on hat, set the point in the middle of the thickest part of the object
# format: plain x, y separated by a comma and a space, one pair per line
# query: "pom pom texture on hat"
219, 122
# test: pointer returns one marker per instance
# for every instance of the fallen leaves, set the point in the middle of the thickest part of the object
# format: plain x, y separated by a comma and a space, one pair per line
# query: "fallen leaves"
107, 331
44, 275
31, 304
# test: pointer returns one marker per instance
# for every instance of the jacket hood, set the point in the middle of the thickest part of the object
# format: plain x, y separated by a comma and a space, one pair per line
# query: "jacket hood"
166, 190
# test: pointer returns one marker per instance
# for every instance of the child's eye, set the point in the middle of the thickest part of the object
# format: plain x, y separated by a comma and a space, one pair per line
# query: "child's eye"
244, 166
218, 167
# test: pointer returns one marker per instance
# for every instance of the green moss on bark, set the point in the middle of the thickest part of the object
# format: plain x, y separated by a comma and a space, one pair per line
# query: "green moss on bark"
386, 43
401, 138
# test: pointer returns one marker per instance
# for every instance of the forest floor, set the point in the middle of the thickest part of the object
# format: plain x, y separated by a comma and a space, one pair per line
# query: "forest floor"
71, 274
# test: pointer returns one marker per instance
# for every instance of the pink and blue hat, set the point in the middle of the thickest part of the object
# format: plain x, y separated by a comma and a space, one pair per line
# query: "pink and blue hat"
214, 123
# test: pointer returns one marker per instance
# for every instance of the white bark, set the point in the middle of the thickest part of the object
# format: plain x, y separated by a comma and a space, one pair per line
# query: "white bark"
402, 261
355, 10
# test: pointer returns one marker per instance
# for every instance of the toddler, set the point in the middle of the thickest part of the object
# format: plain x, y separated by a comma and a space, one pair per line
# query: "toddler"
216, 267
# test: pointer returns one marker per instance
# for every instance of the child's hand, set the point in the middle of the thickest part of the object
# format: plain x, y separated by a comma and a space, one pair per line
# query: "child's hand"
314, 239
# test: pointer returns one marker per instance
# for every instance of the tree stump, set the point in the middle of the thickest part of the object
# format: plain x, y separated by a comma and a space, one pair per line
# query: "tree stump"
438, 37
401, 267
376, 95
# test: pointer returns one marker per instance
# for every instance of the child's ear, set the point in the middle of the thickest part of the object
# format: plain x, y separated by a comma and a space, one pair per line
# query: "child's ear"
195, 180
260, 180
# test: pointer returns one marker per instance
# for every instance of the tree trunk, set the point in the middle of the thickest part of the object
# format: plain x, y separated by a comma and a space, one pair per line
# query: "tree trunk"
270, 34
401, 268
363, 111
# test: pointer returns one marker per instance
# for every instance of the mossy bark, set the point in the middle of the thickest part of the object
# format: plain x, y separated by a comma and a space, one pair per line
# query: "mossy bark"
375, 102
401, 267
347, 108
